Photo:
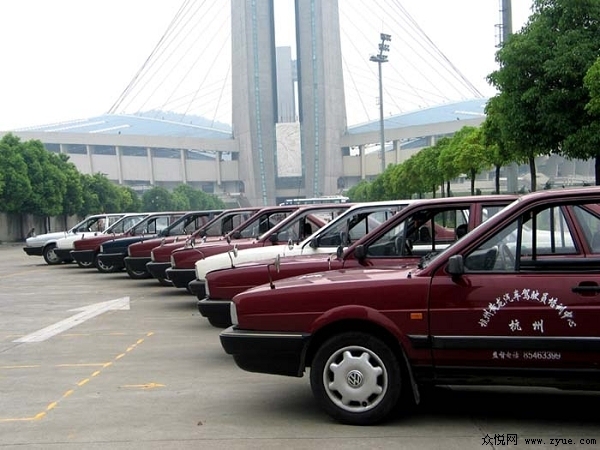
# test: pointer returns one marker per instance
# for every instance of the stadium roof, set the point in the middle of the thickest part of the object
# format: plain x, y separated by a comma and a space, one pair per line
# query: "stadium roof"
169, 124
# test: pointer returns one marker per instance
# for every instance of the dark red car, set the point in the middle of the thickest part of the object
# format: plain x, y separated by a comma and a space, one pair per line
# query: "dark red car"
401, 240
514, 302
272, 226
212, 224
160, 256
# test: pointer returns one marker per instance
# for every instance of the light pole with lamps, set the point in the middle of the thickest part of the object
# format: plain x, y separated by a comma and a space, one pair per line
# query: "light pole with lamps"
379, 59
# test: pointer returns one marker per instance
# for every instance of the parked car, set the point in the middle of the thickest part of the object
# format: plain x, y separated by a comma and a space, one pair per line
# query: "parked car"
64, 245
274, 226
354, 223
183, 227
111, 255
496, 307
44, 244
403, 239
85, 250
160, 255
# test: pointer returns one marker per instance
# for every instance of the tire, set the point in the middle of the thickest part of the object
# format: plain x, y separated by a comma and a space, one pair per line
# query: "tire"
138, 274
165, 282
85, 265
103, 268
49, 255
356, 378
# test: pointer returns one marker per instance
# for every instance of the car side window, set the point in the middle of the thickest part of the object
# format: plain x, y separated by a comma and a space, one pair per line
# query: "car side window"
525, 243
423, 232
590, 225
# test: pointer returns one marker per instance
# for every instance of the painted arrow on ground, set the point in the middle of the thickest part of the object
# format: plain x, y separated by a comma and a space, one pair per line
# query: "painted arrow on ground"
87, 312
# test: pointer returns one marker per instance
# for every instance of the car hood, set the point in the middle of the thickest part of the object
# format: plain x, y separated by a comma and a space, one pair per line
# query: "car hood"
260, 255
41, 239
67, 242
328, 279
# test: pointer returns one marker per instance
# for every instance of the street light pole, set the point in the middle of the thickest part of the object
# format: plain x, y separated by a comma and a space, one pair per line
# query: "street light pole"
379, 59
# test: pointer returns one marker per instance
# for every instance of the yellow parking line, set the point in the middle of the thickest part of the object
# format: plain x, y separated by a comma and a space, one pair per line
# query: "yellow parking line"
81, 383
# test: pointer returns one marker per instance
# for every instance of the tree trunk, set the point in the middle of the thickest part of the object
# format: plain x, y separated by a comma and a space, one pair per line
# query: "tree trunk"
497, 179
473, 173
532, 173
434, 188
449, 194
597, 170
442, 189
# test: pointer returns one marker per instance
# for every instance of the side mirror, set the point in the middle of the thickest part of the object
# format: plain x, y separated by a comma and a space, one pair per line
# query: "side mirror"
313, 243
339, 252
359, 252
456, 265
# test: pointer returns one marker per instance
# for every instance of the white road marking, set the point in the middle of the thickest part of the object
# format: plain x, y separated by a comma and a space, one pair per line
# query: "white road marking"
87, 312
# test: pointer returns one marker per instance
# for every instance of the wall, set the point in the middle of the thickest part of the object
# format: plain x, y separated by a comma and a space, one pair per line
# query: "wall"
14, 227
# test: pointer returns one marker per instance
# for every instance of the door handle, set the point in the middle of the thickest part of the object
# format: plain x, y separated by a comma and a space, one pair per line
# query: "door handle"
585, 289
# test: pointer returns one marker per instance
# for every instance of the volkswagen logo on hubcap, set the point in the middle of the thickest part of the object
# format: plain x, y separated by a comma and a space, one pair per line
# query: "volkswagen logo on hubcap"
355, 378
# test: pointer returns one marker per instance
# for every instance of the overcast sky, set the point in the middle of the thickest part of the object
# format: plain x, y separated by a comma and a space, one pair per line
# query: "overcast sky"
71, 59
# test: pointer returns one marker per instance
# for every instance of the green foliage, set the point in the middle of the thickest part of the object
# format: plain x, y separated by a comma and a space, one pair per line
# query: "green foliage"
48, 182
73, 198
542, 100
130, 200
591, 82
157, 199
15, 187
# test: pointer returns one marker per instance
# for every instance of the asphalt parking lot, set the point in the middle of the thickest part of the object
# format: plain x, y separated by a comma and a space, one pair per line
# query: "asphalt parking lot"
90, 361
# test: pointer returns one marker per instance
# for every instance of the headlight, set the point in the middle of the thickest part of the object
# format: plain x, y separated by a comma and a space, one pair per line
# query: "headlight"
172, 262
206, 290
128, 252
101, 249
152, 256
233, 313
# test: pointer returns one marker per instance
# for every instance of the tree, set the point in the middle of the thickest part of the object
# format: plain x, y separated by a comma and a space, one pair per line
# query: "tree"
469, 152
157, 199
14, 181
498, 150
73, 198
540, 80
446, 162
48, 183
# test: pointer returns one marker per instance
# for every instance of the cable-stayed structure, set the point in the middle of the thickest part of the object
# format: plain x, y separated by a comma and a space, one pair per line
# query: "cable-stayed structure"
189, 70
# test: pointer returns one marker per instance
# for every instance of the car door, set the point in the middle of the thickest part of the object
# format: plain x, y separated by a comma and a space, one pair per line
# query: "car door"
528, 300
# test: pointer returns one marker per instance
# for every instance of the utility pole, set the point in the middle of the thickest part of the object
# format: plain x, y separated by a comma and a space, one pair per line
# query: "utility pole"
380, 58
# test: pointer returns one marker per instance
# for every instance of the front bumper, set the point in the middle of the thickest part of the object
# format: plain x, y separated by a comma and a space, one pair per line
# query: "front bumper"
181, 277
83, 256
63, 253
34, 251
112, 259
158, 270
216, 311
137, 264
198, 288
277, 353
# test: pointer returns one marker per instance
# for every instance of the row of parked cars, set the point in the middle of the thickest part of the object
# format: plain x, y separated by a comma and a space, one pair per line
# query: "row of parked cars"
378, 301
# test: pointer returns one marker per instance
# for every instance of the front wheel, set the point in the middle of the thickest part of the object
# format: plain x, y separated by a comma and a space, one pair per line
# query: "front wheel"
356, 378
104, 268
49, 255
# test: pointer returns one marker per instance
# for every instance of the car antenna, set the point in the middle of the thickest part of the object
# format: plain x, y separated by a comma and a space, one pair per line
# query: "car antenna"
277, 264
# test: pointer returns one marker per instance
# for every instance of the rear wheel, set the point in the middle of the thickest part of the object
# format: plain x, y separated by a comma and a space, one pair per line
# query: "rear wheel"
356, 378
138, 274
49, 255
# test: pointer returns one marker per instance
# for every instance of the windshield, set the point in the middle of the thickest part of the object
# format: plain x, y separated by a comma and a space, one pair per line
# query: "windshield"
352, 225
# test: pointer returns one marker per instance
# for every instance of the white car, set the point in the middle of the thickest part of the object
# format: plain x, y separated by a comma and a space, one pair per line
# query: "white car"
64, 245
347, 228
44, 244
